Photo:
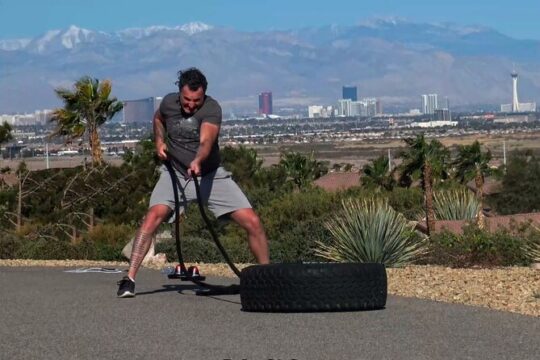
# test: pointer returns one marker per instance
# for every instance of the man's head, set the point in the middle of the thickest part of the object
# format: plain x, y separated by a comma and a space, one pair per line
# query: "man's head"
192, 86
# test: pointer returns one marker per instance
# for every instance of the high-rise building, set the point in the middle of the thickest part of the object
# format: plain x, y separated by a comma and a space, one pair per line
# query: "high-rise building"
363, 107
378, 107
344, 107
315, 111
370, 107
442, 114
350, 92
142, 110
265, 103
429, 103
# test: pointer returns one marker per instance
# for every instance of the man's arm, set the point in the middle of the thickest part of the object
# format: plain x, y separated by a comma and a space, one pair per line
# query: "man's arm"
159, 136
209, 135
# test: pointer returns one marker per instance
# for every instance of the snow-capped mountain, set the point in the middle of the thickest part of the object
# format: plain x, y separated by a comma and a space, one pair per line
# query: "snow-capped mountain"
393, 59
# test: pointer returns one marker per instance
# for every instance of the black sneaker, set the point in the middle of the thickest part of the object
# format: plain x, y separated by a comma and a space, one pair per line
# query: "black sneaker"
126, 287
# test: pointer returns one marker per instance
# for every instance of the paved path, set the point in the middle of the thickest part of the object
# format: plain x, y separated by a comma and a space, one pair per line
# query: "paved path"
50, 314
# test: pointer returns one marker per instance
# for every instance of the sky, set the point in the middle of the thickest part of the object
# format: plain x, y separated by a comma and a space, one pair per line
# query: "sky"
31, 18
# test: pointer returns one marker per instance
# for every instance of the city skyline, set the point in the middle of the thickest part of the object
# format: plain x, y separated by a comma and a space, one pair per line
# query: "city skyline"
246, 15
348, 105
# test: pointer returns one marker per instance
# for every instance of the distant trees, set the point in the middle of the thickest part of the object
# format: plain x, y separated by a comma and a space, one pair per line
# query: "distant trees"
520, 185
86, 108
5, 133
302, 169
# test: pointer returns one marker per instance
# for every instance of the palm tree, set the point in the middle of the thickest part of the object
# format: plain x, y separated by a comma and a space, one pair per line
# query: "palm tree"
428, 161
244, 163
5, 132
376, 175
301, 169
471, 163
85, 109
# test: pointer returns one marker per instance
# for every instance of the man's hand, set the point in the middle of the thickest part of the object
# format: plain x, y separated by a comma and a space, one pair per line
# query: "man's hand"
194, 168
209, 134
161, 150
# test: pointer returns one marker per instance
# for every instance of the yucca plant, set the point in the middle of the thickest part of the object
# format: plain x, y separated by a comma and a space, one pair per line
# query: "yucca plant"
457, 204
370, 230
532, 247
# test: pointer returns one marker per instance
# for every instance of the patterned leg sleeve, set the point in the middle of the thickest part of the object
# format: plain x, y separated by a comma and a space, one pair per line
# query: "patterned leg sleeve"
141, 245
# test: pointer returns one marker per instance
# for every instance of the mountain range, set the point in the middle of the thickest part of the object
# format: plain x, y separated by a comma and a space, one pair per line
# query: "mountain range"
392, 59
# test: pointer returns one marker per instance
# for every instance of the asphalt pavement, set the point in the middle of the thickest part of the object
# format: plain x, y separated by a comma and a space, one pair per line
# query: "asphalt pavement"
46, 313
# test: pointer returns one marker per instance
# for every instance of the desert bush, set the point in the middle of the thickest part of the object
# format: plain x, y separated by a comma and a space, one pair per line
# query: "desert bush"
408, 201
9, 245
105, 242
46, 248
295, 222
476, 247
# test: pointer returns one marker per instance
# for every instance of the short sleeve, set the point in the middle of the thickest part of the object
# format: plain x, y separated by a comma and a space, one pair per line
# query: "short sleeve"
211, 112
168, 105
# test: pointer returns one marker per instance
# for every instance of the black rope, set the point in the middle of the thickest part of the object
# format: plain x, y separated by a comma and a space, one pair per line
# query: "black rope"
212, 289
176, 184
211, 229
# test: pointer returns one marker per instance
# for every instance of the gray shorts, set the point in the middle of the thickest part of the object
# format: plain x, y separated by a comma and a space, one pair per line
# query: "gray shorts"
218, 191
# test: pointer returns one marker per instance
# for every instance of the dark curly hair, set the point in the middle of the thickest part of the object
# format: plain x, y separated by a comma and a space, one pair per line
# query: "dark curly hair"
193, 78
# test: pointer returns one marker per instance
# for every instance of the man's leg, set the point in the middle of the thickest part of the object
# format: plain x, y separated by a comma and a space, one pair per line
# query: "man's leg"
155, 216
258, 244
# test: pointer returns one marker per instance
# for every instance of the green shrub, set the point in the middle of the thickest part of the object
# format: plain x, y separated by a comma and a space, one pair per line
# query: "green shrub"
107, 241
299, 243
110, 234
476, 247
294, 223
237, 247
408, 201
9, 245
46, 249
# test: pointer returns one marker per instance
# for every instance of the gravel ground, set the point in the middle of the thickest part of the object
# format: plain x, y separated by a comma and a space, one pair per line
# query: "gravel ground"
514, 289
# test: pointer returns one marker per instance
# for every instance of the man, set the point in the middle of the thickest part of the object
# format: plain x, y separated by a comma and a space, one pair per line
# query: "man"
186, 126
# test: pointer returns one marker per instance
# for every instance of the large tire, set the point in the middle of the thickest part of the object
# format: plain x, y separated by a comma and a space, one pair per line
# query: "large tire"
313, 287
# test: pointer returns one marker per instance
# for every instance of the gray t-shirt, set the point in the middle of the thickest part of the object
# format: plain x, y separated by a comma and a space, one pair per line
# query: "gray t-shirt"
183, 134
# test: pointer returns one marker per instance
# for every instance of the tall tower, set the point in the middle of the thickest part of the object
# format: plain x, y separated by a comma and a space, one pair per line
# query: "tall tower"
349, 92
265, 103
515, 102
